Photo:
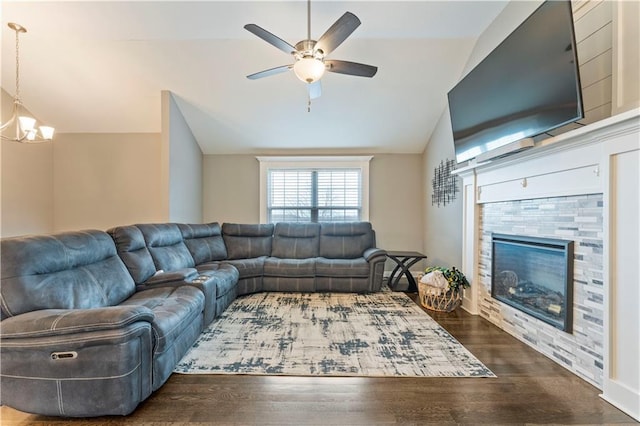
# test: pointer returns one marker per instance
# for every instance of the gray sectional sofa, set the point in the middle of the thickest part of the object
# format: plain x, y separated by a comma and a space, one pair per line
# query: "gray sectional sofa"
93, 322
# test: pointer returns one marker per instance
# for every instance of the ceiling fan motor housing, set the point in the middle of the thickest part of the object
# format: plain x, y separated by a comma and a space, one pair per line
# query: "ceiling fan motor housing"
307, 48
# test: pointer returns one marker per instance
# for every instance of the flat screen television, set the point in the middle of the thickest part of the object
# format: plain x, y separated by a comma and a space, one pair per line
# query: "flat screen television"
528, 85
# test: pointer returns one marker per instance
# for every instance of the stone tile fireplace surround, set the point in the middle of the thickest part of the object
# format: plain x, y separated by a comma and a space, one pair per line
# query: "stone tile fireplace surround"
578, 218
581, 186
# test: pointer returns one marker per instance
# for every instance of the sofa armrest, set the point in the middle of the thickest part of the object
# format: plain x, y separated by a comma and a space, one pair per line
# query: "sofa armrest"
181, 277
55, 322
376, 258
373, 252
162, 277
187, 277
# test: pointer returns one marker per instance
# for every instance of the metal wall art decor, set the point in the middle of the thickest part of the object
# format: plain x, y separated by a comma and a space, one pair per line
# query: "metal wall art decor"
444, 184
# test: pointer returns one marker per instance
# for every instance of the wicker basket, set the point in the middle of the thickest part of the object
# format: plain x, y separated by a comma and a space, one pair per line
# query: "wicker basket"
443, 302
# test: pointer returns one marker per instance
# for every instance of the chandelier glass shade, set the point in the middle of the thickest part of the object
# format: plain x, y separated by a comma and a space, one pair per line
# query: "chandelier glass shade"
309, 69
21, 127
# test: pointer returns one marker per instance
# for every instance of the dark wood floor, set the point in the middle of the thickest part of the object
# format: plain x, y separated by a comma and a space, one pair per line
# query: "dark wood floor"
530, 388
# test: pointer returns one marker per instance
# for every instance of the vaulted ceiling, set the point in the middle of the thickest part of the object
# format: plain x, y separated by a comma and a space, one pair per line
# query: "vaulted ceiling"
101, 66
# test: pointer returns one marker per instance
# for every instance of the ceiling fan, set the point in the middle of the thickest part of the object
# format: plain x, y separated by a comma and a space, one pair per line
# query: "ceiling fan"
310, 55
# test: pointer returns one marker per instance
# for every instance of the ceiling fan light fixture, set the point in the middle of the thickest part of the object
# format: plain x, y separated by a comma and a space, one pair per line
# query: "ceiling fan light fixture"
309, 69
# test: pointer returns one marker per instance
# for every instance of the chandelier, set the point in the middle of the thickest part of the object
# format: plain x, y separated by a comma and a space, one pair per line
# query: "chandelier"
21, 127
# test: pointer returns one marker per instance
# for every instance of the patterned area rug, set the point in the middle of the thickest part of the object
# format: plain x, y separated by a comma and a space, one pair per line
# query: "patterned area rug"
336, 334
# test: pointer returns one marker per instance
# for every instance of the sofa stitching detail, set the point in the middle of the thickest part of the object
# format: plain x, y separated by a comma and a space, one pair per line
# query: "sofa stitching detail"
59, 395
101, 289
58, 380
49, 342
131, 319
5, 306
57, 320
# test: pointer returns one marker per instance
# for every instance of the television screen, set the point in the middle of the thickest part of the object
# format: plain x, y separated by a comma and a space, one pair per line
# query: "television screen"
526, 86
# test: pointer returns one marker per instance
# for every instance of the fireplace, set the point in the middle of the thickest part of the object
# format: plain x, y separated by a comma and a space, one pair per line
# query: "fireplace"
535, 276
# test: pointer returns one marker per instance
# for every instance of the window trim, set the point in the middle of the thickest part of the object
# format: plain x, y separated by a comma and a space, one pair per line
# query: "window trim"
355, 162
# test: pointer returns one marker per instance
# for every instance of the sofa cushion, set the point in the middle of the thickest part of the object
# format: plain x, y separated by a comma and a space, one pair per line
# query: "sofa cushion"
296, 240
346, 240
204, 241
133, 251
343, 284
358, 267
245, 241
174, 309
177, 323
250, 272
289, 284
292, 268
70, 270
249, 285
166, 245
248, 268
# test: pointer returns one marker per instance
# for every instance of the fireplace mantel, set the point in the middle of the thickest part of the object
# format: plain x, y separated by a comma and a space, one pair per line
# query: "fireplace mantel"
600, 158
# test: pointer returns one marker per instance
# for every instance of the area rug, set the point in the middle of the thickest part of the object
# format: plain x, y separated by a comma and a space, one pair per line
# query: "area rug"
329, 334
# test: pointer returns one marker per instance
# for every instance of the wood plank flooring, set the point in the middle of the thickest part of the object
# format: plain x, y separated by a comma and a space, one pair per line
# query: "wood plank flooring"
530, 389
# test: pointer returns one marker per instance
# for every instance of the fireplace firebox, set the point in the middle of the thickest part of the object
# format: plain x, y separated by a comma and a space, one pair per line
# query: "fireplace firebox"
534, 275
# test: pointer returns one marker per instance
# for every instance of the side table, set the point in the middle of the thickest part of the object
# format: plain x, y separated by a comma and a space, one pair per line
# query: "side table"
404, 260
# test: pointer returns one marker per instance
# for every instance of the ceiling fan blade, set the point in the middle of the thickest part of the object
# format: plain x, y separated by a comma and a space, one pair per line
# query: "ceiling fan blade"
270, 38
315, 90
350, 68
271, 71
339, 31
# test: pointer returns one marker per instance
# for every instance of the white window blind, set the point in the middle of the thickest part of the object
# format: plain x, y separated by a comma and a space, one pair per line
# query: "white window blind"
314, 195
314, 188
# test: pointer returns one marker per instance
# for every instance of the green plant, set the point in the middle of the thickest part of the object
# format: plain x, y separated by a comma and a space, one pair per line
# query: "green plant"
454, 276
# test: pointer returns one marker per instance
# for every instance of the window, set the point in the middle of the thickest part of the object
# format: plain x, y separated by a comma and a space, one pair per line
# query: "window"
312, 195
314, 189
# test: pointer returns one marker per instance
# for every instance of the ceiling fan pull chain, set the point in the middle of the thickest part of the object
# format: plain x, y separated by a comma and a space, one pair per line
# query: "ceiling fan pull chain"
309, 104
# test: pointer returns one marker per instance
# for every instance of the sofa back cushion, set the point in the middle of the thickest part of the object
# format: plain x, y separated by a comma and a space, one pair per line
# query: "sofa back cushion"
133, 251
204, 241
166, 245
345, 240
296, 240
70, 270
246, 241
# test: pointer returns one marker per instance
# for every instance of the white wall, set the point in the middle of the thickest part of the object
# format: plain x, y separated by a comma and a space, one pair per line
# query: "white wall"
104, 180
395, 187
626, 56
79, 181
442, 224
508, 20
184, 166
26, 172
232, 194
100, 180
27, 189
231, 189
